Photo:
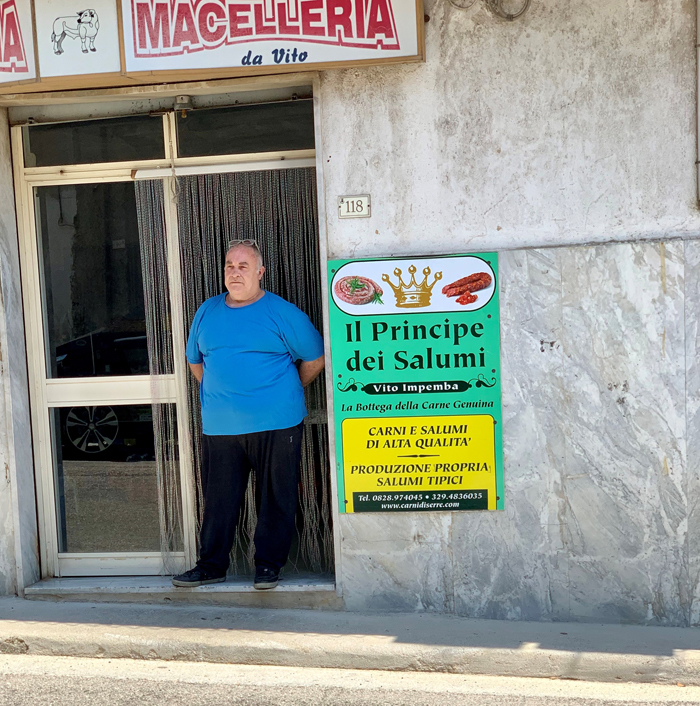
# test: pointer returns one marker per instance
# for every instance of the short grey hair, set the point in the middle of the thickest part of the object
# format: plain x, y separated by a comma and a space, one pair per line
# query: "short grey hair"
247, 243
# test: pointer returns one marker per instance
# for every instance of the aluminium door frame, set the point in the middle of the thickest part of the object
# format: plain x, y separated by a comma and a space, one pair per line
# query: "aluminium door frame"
48, 393
323, 215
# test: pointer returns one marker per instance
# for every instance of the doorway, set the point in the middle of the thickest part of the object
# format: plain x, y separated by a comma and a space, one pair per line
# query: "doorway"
123, 225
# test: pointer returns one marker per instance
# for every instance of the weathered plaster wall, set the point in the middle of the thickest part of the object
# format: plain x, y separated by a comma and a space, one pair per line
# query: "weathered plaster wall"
601, 428
19, 567
573, 124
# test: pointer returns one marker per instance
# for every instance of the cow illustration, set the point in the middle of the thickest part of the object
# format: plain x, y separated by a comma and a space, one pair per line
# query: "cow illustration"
84, 25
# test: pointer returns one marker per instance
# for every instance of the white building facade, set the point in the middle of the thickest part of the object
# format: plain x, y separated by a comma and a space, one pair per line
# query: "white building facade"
565, 140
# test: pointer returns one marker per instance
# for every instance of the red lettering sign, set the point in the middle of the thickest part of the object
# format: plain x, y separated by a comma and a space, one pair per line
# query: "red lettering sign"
176, 27
12, 59
212, 24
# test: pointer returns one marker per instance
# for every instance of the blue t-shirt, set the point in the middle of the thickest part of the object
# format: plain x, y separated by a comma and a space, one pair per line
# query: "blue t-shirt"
250, 382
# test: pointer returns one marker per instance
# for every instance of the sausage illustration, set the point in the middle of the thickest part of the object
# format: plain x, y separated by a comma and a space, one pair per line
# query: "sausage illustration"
472, 283
467, 298
358, 290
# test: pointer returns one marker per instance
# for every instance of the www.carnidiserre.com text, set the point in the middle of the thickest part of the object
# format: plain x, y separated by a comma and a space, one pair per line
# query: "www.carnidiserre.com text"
416, 506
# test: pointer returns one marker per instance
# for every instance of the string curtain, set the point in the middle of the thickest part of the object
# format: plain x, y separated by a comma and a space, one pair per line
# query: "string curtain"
152, 242
277, 209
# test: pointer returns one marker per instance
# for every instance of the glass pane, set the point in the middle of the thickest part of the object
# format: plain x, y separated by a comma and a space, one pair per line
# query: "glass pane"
267, 127
106, 480
92, 286
91, 141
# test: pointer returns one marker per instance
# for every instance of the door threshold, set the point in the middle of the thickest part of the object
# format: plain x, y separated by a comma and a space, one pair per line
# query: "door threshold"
293, 591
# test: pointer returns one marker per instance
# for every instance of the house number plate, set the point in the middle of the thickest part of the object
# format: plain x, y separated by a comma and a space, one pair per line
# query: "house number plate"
354, 206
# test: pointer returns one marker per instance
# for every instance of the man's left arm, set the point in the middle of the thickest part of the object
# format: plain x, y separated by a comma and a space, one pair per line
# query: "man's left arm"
309, 370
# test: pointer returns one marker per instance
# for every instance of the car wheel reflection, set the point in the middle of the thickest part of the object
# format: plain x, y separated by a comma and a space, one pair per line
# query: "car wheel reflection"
92, 429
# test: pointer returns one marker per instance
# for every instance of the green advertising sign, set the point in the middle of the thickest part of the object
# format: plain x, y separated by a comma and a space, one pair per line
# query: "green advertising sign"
417, 383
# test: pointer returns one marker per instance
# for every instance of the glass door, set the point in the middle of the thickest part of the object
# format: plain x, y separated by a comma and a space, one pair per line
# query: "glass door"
106, 424
93, 314
102, 406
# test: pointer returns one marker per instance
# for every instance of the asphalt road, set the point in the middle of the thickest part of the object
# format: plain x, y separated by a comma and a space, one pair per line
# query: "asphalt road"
55, 681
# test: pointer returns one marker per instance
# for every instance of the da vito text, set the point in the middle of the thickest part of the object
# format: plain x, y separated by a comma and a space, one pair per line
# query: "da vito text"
279, 56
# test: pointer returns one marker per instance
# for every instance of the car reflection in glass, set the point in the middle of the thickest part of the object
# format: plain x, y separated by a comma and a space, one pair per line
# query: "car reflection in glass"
103, 353
111, 433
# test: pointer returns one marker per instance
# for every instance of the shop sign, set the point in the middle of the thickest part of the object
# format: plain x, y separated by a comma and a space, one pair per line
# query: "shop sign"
213, 33
74, 43
16, 41
415, 345
120, 42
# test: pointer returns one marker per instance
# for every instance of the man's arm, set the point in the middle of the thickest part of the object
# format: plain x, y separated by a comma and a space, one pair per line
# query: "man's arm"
197, 370
309, 370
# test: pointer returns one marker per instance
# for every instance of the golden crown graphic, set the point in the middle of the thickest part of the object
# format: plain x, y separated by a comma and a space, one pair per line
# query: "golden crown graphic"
413, 295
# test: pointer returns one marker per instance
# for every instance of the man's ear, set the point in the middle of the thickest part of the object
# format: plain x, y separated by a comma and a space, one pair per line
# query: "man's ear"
261, 272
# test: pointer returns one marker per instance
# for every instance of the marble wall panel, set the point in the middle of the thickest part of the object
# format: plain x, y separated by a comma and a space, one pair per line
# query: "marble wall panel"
509, 567
692, 348
15, 407
602, 511
399, 562
626, 505
513, 564
8, 570
8, 573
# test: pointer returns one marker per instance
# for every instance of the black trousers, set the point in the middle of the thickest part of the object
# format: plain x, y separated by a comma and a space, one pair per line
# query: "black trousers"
274, 457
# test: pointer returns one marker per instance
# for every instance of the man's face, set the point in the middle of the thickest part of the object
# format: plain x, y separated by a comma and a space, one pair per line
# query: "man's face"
242, 274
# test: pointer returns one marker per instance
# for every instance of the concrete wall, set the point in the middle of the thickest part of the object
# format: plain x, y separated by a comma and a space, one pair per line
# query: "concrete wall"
575, 124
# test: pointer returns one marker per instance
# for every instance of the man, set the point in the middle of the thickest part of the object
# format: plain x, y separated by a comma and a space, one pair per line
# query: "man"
243, 349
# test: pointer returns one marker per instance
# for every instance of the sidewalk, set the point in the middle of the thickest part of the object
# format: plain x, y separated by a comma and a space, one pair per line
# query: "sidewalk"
305, 638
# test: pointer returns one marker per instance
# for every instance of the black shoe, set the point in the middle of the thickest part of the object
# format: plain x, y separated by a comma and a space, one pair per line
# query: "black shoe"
265, 578
197, 577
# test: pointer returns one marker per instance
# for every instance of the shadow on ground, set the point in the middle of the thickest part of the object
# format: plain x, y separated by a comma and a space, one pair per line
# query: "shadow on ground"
419, 629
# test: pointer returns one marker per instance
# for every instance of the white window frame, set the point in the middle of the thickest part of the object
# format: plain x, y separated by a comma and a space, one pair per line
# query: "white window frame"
48, 393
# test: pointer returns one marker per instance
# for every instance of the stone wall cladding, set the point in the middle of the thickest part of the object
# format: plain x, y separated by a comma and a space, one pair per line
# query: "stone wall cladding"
601, 429
21, 566
8, 582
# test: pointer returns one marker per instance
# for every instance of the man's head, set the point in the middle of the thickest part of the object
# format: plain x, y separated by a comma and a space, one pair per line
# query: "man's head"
243, 270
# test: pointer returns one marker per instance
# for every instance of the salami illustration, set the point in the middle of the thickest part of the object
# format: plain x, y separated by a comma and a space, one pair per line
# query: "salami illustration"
84, 24
467, 282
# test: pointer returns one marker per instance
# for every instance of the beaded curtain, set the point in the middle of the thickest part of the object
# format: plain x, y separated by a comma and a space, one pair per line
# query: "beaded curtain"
152, 243
278, 210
